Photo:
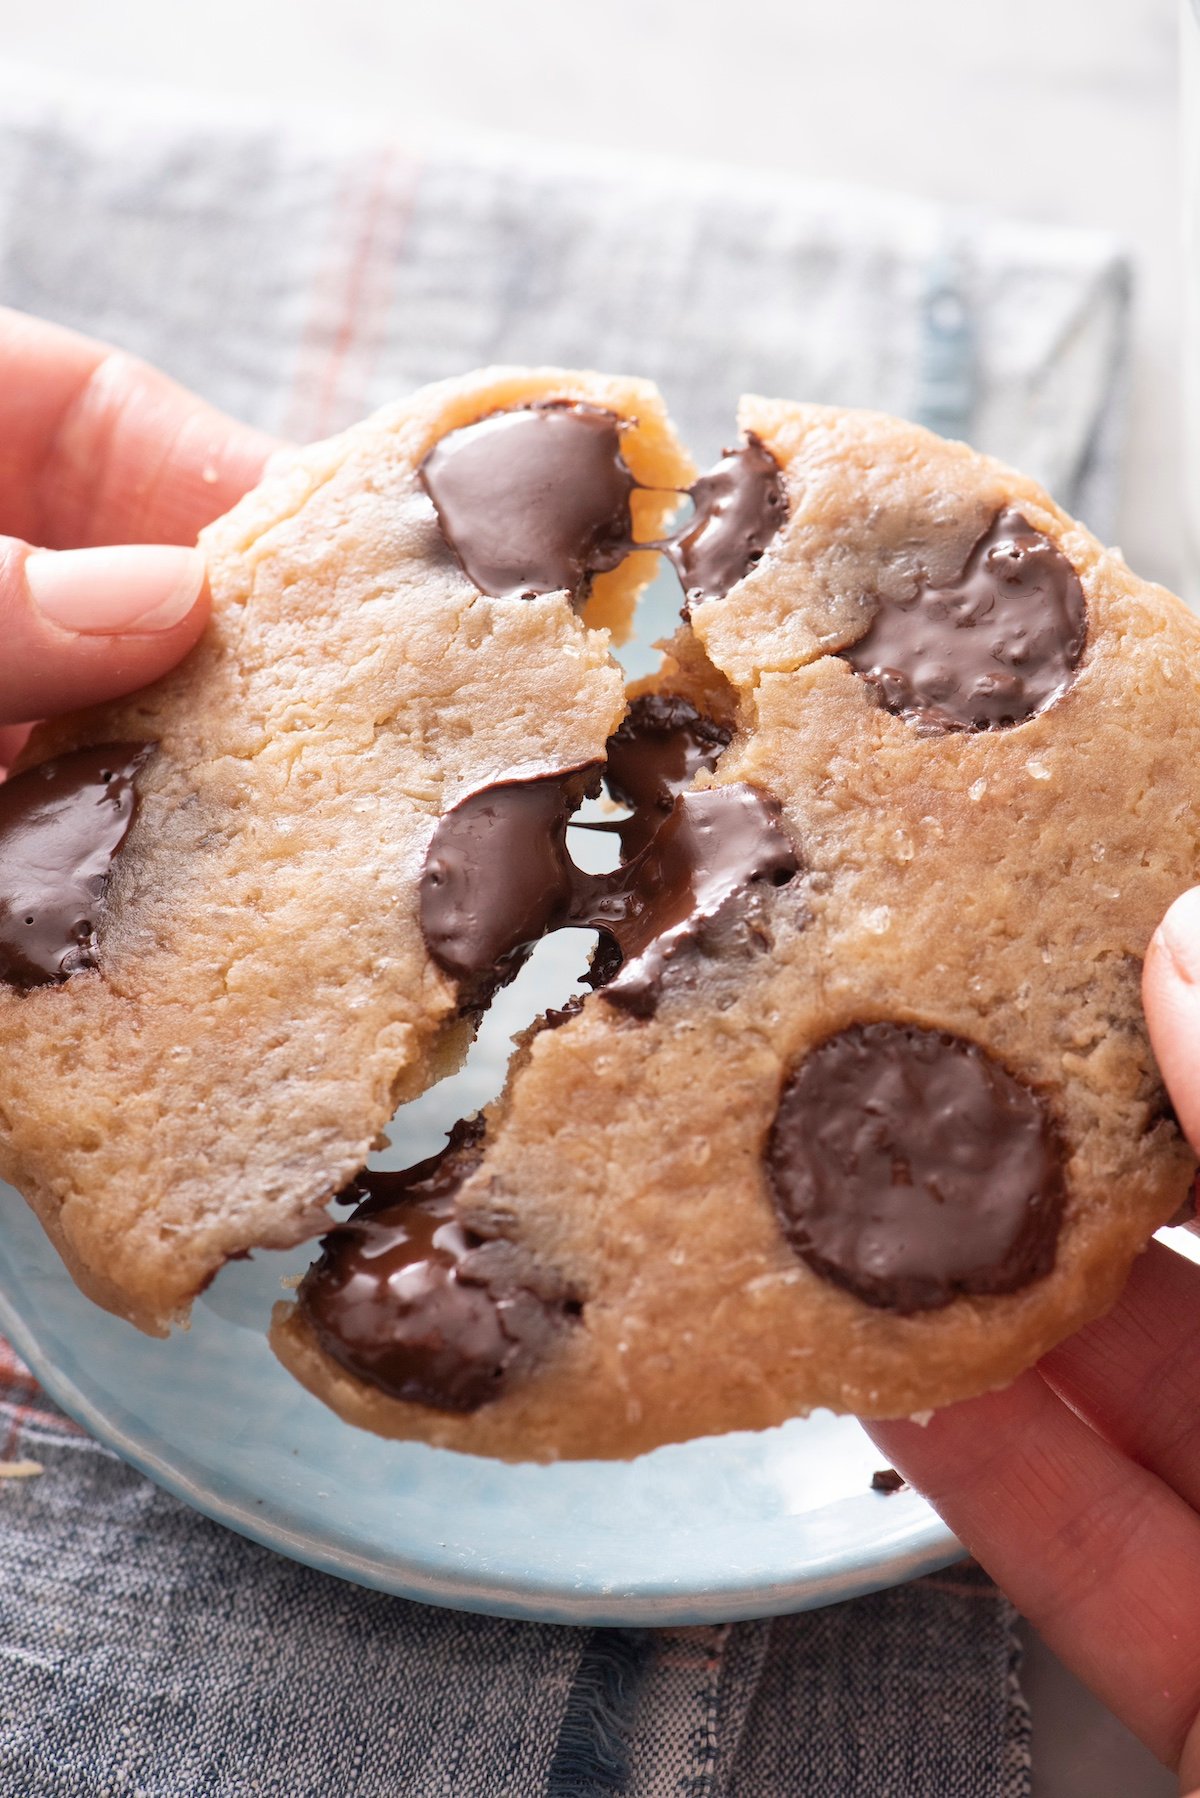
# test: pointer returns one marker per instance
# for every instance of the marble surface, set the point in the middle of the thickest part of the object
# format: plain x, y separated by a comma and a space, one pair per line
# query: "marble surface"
1045, 110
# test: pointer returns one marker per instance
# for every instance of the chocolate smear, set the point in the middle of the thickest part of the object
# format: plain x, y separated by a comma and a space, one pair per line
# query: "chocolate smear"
498, 877
535, 500
410, 1299
739, 505
655, 754
61, 824
909, 1167
714, 846
994, 649
498, 874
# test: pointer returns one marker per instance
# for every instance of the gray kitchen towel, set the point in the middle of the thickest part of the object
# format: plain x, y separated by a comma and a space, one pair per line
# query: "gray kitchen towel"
297, 275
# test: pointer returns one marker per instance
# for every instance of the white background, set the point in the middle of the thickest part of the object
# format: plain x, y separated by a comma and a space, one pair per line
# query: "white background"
1056, 110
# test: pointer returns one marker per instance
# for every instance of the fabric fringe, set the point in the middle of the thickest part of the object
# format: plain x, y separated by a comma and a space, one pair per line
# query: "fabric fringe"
591, 1758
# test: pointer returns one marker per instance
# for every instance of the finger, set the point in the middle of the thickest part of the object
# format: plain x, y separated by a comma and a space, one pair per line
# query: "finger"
1171, 991
12, 741
1096, 1552
79, 626
97, 447
1132, 1375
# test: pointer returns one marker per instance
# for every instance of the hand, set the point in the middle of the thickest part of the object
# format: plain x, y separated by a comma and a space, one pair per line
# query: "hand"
1078, 1488
98, 449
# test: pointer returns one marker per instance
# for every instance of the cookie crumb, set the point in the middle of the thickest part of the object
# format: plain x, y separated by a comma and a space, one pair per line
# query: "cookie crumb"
886, 1479
20, 1470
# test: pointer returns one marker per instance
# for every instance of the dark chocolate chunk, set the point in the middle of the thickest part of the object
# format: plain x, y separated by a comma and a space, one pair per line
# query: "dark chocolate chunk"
410, 1299
497, 877
61, 824
909, 1167
558, 1015
659, 748
886, 1479
994, 649
535, 500
710, 850
739, 506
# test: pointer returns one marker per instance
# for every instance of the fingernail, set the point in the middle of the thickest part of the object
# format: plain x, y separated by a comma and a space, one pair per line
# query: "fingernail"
1179, 936
142, 587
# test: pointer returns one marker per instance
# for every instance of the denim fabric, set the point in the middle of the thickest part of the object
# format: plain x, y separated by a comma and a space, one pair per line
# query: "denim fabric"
908, 1692
144, 1649
150, 1653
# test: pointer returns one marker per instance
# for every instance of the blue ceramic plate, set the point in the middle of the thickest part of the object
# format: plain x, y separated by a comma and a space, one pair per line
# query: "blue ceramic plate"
732, 1526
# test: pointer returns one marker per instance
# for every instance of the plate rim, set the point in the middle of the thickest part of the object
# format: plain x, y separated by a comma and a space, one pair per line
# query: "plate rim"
537, 1598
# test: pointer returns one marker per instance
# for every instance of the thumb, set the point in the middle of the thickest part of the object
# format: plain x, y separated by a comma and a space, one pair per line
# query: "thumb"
1171, 992
82, 625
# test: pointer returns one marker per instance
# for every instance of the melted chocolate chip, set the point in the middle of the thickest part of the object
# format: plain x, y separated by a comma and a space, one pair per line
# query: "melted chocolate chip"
740, 504
410, 1299
994, 649
711, 849
909, 1167
660, 747
537, 500
61, 824
533, 501
498, 875
886, 1479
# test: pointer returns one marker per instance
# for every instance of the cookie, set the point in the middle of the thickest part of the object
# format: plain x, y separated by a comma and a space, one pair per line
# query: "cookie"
214, 987
862, 1112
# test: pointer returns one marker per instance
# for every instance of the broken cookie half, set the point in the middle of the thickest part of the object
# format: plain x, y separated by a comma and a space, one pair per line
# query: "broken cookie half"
871, 1120
214, 988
